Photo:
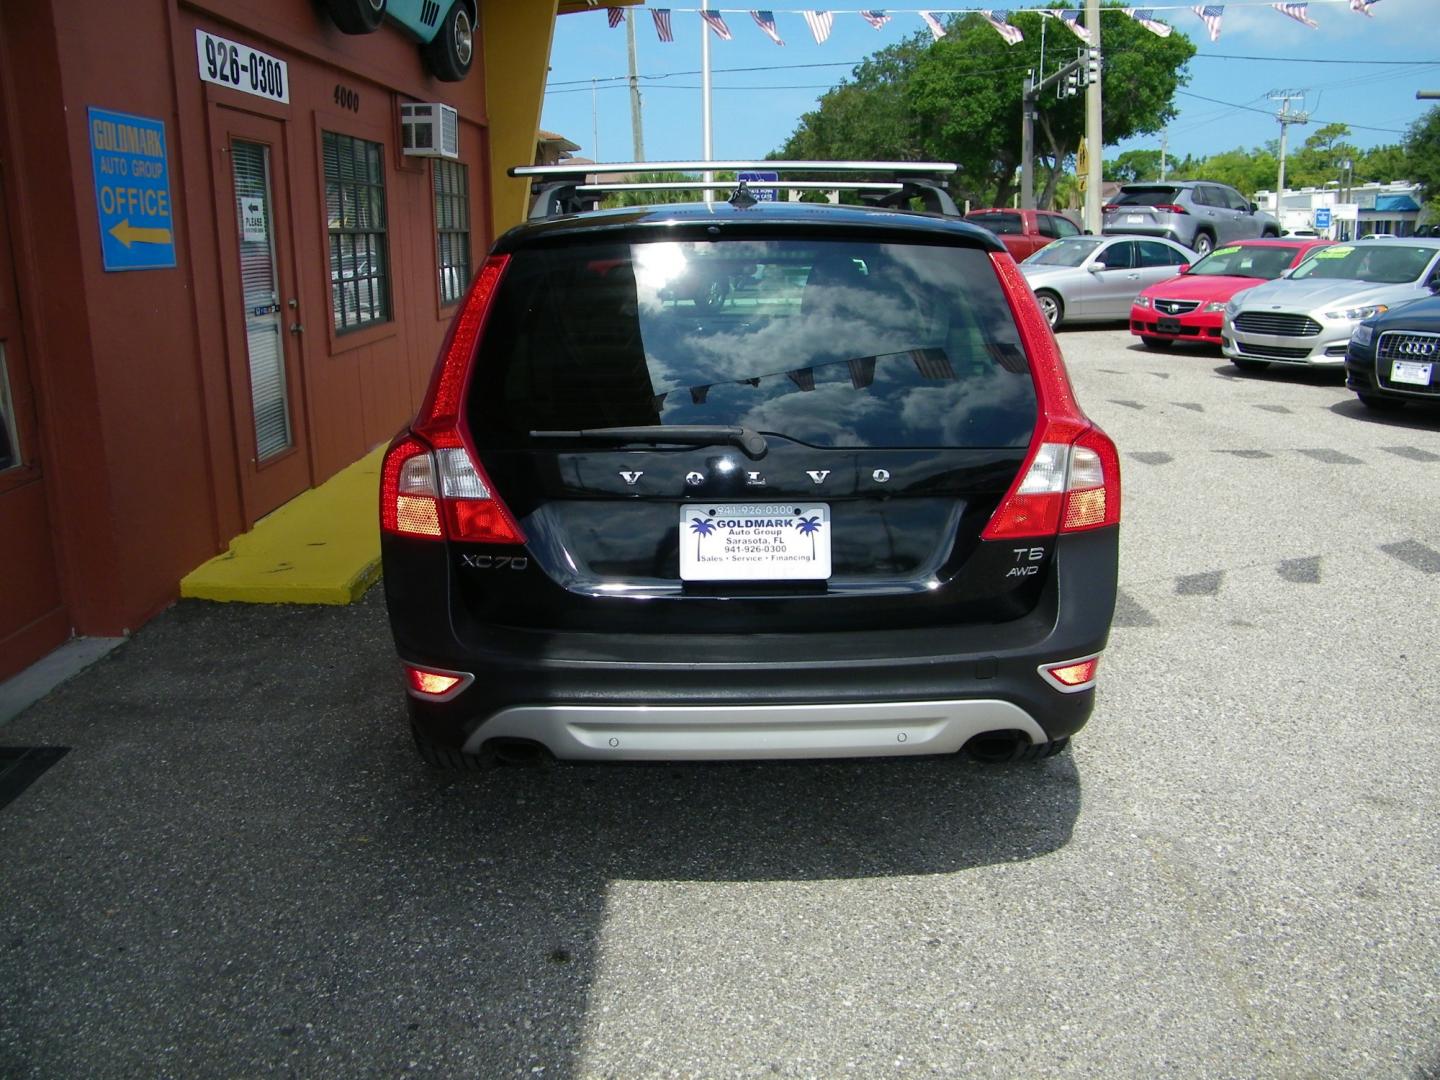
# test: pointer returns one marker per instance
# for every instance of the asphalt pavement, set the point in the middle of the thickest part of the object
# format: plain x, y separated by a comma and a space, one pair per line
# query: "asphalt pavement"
240, 868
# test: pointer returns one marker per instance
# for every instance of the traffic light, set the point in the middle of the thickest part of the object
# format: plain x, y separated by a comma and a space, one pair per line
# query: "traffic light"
1092, 66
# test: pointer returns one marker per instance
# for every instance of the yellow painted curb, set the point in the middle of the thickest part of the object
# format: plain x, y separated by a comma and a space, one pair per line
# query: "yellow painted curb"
322, 547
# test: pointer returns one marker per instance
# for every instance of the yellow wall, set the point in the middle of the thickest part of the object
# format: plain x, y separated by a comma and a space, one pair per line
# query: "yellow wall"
517, 36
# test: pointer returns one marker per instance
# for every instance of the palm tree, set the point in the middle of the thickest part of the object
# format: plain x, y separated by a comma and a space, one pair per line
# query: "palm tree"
809, 526
701, 527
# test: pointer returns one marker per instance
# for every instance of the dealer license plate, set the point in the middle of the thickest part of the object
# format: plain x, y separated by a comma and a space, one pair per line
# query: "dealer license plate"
754, 541
1409, 371
1168, 326
1134, 219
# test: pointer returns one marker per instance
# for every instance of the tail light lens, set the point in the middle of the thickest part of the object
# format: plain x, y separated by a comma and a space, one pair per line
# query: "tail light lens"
1070, 480
1170, 208
431, 485
1110, 208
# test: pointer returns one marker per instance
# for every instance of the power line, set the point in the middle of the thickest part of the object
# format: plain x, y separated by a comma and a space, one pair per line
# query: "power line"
1268, 112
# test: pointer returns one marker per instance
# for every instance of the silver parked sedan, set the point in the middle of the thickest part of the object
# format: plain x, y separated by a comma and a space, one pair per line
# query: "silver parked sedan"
1095, 278
1307, 316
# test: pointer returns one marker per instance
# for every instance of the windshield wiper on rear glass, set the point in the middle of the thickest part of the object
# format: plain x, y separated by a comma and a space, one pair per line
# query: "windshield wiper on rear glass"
748, 440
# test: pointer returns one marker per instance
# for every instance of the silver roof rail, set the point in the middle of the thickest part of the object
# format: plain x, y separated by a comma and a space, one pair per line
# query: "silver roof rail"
558, 189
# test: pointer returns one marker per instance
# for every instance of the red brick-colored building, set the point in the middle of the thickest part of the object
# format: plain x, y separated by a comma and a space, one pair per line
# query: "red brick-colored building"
222, 278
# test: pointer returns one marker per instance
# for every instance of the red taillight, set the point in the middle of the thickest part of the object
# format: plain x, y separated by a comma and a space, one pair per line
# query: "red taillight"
1070, 479
1071, 676
1169, 208
432, 485
1110, 208
436, 684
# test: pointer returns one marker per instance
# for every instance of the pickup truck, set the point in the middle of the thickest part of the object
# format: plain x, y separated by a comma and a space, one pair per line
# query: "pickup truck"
1024, 232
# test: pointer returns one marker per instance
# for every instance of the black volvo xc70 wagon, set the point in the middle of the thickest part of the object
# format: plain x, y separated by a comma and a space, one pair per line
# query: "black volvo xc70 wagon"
749, 480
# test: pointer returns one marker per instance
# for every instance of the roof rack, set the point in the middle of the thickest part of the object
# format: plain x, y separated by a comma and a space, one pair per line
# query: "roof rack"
560, 189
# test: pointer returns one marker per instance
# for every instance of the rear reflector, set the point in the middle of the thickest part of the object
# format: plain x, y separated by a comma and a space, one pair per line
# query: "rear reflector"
1071, 676
435, 684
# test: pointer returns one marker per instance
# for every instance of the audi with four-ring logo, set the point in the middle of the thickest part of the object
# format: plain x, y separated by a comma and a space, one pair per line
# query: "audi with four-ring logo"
1394, 358
851, 508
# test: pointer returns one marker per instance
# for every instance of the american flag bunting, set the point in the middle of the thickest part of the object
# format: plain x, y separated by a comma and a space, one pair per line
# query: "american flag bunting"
1298, 12
933, 23
615, 16
766, 21
877, 19
716, 22
1072, 20
1000, 20
1210, 15
821, 23
1146, 18
662, 24
1363, 7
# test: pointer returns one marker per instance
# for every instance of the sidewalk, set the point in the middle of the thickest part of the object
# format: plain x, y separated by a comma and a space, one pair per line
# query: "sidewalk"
322, 547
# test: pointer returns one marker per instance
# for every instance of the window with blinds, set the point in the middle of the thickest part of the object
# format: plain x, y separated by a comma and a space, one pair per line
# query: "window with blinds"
9, 439
261, 298
452, 229
355, 208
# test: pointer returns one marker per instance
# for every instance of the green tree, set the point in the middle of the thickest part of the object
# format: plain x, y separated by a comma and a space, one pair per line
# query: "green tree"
1382, 163
1422, 148
958, 99
1246, 170
1133, 166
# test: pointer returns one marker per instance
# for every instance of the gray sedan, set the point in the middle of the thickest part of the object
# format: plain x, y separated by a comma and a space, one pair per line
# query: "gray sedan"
1307, 316
1094, 278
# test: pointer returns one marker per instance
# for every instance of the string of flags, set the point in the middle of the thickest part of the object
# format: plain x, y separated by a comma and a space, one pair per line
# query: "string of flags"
821, 22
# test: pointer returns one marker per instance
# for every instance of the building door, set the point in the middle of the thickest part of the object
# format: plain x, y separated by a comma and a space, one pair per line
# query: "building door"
33, 619
263, 312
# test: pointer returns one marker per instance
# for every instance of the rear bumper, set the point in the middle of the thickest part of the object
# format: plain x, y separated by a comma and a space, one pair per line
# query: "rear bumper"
703, 696
732, 733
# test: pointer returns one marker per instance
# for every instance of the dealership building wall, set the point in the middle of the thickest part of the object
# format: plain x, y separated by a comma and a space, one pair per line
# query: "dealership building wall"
220, 283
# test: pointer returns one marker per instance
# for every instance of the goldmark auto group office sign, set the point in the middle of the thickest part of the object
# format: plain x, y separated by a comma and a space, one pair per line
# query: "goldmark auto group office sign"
132, 191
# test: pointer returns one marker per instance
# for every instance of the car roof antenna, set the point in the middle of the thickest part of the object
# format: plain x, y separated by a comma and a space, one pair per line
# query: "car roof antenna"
741, 199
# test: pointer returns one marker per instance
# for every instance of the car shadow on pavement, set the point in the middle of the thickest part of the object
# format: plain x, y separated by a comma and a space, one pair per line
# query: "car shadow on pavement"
241, 867
1419, 415
1285, 373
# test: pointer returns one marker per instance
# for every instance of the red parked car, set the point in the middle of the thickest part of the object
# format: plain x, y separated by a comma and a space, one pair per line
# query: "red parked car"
1191, 307
1024, 232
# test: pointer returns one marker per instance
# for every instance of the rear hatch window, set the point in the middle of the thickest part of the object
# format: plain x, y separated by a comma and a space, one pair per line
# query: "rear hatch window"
886, 381
827, 344
999, 224
1147, 196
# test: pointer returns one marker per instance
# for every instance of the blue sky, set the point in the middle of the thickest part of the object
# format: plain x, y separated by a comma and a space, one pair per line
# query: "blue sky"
755, 111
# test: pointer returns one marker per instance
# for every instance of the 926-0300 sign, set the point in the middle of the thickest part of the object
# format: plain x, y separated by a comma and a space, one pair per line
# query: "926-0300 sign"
229, 63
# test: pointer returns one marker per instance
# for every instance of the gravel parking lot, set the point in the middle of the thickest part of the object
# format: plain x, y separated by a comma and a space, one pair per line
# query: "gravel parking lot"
240, 868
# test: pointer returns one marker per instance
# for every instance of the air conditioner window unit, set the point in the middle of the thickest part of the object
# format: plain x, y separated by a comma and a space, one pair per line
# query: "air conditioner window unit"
429, 130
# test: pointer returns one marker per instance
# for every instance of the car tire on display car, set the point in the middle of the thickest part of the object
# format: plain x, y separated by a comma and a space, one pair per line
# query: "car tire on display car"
450, 55
356, 16
1052, 307
1204, 244
1150, 341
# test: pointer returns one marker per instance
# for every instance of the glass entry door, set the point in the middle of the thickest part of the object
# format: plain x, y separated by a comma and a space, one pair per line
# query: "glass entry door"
263, 320
264, 312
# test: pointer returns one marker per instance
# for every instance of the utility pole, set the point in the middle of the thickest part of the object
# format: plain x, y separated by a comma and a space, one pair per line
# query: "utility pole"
706, 146
1286, 118
637, 132
1094, 132
1164, 146
1027, 143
